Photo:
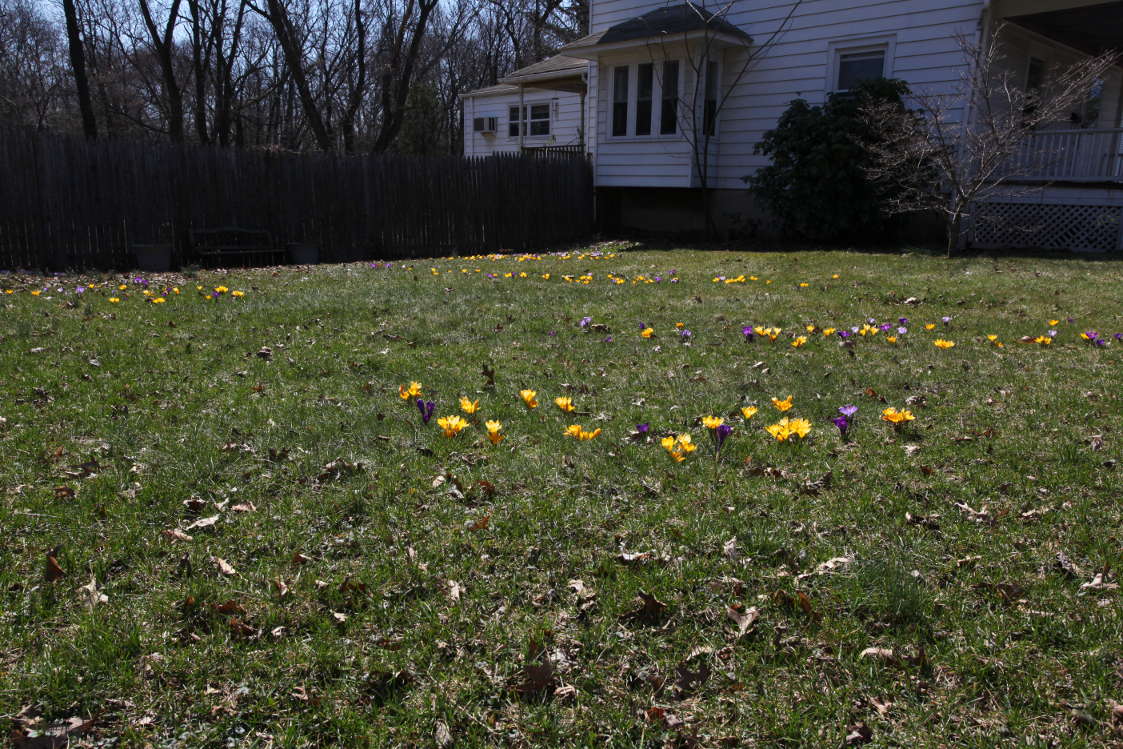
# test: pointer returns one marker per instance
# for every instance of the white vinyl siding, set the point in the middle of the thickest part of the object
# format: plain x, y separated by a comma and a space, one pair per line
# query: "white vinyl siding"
559, 111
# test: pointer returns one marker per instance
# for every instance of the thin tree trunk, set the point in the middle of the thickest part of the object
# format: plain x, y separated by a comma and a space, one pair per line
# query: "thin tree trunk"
78, 68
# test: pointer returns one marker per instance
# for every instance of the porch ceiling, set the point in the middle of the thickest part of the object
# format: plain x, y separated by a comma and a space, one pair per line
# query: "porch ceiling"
1093, 29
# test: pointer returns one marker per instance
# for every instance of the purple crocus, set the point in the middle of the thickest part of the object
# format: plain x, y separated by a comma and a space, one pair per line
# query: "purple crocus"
1118, 336
844, 334
842, 424
607, 339
685, 334
902, 330
903, 320
848, 410
585, 322
643, 428
721, 433
748, 332
426, 409
945, 319
885, 327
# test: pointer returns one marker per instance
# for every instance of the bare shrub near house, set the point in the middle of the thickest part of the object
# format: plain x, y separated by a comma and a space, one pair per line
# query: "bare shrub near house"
974, 141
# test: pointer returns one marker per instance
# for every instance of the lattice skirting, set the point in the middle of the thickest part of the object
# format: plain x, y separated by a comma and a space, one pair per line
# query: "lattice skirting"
1088, 228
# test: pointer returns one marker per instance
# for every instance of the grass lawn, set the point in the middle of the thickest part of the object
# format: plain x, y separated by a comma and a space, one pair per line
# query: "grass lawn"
222, 525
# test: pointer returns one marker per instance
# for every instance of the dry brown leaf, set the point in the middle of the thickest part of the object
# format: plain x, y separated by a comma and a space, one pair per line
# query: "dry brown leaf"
282, 588
442, 736
833, 564
90, 595
480, 523
299, 559
729, 549
223, 566
651, 610
175, 534
244, 507
53, 571
886, 655
455, 590
742, 617
203, 523
1098, 583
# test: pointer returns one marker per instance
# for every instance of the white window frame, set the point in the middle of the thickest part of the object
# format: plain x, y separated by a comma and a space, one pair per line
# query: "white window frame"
526, 121
656, 99
856, 46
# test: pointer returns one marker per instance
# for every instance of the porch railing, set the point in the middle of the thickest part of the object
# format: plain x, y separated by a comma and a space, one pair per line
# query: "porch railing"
1070, 155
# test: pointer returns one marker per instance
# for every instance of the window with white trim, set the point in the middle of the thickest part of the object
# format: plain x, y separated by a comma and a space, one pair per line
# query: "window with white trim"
645, 99
620, 76
645, 89
535, 120
709, 102
853, 61
668, 120
857, 67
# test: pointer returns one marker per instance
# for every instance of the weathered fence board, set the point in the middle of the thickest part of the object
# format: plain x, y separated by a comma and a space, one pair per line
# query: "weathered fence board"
69, 203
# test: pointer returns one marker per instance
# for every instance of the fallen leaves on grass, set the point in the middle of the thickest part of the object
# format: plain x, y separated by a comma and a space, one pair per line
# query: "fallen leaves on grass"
223, 566
90, 594
52, 571
537, 674
175, 534
742, 617
1099, 583
651, 610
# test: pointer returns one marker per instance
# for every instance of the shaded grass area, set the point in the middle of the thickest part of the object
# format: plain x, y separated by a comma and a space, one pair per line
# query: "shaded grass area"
949, 582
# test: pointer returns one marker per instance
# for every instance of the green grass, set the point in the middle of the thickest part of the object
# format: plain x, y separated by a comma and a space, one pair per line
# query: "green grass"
120, 417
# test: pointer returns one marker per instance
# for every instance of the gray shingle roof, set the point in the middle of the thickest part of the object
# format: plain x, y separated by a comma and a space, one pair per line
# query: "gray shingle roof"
672, 19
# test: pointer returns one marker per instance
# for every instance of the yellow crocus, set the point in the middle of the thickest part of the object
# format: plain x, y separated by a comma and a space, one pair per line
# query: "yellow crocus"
782, 405
647, 332
749, 411
469, 406
529, 398
712, 422
451, 425
895, 416
406, 392
941, 343
493, 431
565, 404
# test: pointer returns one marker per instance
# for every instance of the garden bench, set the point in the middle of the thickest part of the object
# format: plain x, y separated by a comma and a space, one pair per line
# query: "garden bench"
222, 244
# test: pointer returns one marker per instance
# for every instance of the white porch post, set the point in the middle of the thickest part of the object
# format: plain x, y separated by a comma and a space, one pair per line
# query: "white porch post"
522, 117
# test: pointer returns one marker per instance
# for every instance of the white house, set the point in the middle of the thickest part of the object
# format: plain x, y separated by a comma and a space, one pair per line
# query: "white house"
550, 95
655, 71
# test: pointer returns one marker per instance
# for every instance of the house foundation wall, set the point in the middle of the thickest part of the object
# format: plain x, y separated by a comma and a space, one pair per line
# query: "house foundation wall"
737, 214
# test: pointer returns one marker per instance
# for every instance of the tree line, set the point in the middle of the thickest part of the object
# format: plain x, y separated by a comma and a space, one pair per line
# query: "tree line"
347, 76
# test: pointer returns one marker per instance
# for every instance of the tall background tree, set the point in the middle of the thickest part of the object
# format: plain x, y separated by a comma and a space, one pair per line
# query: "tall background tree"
330, 75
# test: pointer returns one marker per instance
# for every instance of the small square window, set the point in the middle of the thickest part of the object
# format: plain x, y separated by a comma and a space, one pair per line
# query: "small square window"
856, 67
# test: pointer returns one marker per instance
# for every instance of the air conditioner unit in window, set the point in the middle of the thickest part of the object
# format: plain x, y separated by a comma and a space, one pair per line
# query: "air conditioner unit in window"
485, 124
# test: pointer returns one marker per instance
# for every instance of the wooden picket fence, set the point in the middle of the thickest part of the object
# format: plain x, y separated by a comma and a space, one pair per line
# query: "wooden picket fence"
67, 203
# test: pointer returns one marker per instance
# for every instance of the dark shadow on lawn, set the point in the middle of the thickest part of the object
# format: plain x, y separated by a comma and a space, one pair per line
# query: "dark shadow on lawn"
664, 242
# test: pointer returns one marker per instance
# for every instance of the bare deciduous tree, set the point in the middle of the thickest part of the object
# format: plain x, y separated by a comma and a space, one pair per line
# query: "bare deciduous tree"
975, 140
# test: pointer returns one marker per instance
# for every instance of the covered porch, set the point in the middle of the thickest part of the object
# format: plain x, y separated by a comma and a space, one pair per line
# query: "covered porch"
1065, 182
1042, 36
559, 73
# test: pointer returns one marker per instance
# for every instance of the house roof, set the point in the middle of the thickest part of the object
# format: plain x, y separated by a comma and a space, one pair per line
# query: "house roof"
491, 91
558, 66
682, 19
559, 72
